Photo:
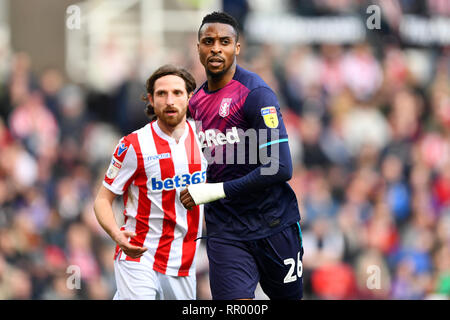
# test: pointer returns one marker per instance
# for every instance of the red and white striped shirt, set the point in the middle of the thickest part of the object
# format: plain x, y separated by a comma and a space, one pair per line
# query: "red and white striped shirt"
150, 169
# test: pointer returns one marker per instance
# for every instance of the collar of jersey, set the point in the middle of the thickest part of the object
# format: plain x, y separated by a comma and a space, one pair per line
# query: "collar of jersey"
168, 138
235, 76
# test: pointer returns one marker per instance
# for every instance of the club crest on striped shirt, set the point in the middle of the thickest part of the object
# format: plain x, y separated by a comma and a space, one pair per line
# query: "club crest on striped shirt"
224, 109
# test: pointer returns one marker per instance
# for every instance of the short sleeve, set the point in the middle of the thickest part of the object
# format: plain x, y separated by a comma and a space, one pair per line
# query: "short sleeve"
122, 168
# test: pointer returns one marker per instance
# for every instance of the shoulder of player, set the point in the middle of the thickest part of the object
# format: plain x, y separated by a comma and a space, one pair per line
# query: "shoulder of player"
249, 79
196, 94
134, 138
259, 96
261, 90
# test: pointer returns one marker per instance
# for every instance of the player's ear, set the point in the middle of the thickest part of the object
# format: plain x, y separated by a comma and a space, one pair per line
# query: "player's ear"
237, 49
150, 98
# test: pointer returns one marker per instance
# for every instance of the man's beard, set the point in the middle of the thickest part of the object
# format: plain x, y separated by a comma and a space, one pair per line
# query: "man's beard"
216, 75
171, 121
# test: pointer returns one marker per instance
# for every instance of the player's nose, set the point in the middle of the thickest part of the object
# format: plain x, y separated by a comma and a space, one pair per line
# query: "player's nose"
216, 48
170, 99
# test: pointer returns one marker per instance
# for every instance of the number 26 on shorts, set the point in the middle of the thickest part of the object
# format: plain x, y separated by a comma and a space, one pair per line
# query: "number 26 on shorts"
290, 276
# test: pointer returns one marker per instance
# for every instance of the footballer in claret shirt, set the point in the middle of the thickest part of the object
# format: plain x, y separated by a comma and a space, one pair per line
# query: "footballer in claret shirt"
251, 212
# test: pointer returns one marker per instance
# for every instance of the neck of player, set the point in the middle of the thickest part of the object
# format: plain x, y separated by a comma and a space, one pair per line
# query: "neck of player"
173, 131
216, 83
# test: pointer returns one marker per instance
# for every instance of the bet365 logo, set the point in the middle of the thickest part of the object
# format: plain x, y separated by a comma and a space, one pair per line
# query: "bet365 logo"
178, 181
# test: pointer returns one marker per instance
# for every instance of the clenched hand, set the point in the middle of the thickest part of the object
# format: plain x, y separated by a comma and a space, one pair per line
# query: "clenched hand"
186, 199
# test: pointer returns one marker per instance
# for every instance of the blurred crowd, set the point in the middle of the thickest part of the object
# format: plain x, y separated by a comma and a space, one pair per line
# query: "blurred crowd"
371, 143
369, 130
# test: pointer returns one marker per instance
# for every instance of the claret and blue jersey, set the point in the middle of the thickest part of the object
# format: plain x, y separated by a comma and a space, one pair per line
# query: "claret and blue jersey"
241, 129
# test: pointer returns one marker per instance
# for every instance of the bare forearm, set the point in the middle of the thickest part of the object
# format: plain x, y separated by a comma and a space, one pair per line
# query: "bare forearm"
105, 217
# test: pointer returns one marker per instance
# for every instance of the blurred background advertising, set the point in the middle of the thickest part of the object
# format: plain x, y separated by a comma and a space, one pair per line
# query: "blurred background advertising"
364, 88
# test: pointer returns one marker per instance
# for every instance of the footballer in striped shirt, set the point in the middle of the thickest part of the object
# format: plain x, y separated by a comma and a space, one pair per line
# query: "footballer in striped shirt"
156, 247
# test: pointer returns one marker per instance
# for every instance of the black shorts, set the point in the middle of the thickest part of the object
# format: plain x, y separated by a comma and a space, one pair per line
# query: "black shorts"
236, 267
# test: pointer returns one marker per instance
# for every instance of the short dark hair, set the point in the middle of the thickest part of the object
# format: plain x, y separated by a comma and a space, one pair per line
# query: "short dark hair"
220, 17
163, 71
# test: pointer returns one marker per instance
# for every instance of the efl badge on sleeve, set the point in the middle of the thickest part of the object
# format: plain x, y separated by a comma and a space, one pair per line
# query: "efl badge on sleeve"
224, 109
270, 116
114, 168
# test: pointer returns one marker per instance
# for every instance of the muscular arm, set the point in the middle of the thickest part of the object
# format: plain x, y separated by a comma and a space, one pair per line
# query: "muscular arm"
105, 217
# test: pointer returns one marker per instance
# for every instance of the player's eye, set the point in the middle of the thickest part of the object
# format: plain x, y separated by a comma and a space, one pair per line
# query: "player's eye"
160, 93
226, 41
207, 41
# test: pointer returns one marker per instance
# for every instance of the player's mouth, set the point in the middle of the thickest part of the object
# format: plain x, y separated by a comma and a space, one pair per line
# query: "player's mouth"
170, 112
215, 61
